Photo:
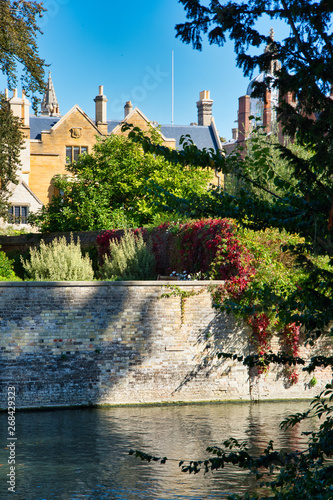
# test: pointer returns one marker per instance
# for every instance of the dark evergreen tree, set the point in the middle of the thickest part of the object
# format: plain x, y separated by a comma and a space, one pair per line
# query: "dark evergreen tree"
18, 45
18, 55
306, 73
11, 141
304, 205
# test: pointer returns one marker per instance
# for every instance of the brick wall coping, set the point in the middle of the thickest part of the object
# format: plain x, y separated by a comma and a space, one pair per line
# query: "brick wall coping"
55, 284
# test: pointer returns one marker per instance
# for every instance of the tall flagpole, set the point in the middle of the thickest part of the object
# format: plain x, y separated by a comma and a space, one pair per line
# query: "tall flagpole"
172, 89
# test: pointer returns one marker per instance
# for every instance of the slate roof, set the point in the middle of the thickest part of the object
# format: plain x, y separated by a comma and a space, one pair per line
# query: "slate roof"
202, 137
39, 123
112, 124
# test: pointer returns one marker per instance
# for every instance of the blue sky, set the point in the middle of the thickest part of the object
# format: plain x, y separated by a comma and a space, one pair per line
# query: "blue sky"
127, 48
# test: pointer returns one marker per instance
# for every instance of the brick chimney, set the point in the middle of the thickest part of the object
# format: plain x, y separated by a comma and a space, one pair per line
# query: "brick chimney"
100, 111
204, 106
267, 121
243, 117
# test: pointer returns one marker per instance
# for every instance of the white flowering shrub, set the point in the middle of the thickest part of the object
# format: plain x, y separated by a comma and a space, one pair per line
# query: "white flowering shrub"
58, 261
130, 258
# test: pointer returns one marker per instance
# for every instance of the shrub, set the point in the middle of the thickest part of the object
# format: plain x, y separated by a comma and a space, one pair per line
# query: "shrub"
130, 258
6, 268
206, 246
58, 261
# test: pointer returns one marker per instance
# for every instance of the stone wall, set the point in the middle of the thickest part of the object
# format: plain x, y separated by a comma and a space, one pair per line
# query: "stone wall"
82, 343
24, 242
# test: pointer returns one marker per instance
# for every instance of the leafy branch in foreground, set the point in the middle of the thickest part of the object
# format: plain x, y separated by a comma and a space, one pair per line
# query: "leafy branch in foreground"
18, 46
146, 457
11, 142
18, 56
279, 358
296, 475
189, 155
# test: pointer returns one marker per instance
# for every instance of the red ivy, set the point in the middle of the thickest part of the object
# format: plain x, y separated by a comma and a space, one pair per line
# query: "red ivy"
209, 246
291, 335
259, 324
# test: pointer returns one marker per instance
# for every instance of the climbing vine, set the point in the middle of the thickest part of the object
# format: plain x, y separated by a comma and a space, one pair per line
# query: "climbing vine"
261, 279
176, 291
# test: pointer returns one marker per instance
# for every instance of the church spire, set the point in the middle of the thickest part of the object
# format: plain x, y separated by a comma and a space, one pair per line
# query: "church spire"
50, 104
275, 65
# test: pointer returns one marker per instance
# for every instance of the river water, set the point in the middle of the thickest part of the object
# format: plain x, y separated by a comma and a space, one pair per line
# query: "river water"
83, 453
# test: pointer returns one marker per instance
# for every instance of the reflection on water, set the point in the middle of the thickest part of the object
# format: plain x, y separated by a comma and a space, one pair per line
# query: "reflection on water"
83, 454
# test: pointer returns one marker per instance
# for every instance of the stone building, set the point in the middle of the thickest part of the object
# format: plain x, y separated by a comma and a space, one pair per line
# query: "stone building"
52, 140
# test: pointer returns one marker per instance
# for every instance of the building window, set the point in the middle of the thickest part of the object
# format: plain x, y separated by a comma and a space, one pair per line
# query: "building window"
73, 152
18, 214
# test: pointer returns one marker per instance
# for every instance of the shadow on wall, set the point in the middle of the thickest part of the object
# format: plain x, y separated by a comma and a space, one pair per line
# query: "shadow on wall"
89, 343
66, 344
222, 334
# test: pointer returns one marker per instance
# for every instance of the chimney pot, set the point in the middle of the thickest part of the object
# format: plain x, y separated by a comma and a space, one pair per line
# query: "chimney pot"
128, 108
204, 106
100, 107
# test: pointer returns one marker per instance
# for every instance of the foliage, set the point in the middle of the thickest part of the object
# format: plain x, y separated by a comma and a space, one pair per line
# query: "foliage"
260, 169
11, 231
18, 33
210, 246
306, 72
16, 256
272, 282
111, 188
18, 46
175, 291
11, 141
302, 204
92, 253
207, 246
6, 268
190, 155
58, 261
130, 258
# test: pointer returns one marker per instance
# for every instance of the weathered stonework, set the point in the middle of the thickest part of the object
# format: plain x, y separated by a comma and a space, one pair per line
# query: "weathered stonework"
81, 343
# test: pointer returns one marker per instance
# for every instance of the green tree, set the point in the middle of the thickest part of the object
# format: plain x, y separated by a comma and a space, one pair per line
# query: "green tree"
11, 141
303, 204
112, 187
18, 45
306, 72
261, 169
18, 55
